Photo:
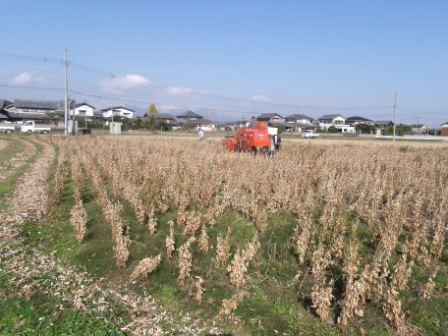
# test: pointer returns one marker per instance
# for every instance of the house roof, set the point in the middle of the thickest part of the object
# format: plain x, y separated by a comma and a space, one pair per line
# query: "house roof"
330, 116
298, 117
159, 116
39, 104
357, 118
190, 114
268, 115
417, 125
4, 103
444, 124
3, 116
277, 124
31, 116
383, 122
116, 108
84, 104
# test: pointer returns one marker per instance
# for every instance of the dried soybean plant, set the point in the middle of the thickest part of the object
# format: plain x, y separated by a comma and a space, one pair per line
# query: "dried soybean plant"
169, 241
78, 219
145, 267
185, 260
223, 248
396, 198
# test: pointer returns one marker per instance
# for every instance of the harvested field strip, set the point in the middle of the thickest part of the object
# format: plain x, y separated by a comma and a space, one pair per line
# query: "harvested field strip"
3, 144
28, 156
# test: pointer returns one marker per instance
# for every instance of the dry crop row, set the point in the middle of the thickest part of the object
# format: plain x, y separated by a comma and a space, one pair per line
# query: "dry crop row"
372, 213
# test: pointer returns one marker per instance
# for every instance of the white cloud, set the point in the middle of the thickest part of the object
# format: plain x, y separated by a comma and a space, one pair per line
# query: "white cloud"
260, 98
21, 79
177, 91
125, 82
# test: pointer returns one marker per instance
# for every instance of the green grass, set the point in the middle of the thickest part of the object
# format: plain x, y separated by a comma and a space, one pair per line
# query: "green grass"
273, 303
7, 185
41, 315
13, 147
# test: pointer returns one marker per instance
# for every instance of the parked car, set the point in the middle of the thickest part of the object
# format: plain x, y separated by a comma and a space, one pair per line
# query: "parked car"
7, 129
30, 127
310, 134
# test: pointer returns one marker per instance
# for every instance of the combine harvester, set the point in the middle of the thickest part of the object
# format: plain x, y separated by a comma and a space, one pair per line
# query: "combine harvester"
254, 140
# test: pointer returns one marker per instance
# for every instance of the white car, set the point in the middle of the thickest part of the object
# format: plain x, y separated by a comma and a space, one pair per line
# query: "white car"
30, 127
310, 134
7, 129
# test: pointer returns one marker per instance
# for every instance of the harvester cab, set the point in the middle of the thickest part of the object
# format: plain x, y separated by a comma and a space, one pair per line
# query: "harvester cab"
255, 140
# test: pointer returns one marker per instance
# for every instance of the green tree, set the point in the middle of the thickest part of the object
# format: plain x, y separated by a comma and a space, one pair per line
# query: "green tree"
332, 129
365, 128
152, 109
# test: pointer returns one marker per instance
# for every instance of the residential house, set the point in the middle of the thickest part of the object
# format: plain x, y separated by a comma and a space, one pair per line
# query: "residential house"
271, 118
337, 121
117, 111
166, 118
357, 120
444, 129
83, 110
419, 129
44, 111
3, 113
3, 117
161, 117
189, 116
300, 122
299, 119
191, 119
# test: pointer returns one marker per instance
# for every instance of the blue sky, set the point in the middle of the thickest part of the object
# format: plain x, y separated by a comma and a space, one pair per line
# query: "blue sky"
231, 59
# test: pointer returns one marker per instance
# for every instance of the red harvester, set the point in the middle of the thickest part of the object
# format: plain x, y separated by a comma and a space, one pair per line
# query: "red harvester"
250, 140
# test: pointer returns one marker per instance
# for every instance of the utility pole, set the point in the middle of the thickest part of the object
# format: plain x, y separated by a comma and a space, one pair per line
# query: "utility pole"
66, 93
395, 114
73, 118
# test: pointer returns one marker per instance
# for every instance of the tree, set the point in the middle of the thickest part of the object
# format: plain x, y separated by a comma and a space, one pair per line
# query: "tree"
332, 129
365, 128
152, 109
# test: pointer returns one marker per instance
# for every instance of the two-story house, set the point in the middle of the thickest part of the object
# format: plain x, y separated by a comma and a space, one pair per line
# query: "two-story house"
119, 111
272, 118
83, 110
337, 121
45, 111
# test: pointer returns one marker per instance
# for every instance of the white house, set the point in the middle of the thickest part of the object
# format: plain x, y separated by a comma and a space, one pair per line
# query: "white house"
119, 111
298, 119
336, 120
83, 110
271, 118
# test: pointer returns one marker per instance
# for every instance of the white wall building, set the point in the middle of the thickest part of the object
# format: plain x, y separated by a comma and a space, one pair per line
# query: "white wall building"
336, 120
83, 110
120, 111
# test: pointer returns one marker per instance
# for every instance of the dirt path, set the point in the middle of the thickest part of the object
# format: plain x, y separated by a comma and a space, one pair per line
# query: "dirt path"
10, 166
3, 144
37, 272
